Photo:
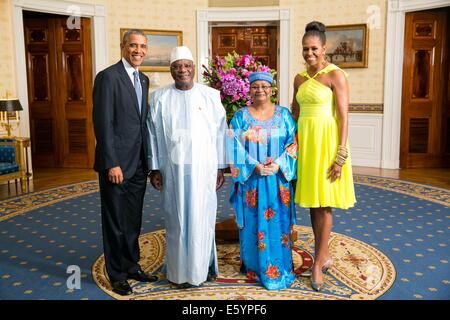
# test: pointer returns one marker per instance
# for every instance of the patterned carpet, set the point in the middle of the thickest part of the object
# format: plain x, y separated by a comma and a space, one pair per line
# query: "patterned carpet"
392, 245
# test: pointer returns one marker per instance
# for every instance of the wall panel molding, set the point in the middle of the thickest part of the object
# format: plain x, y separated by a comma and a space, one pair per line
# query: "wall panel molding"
364, 136
366, 108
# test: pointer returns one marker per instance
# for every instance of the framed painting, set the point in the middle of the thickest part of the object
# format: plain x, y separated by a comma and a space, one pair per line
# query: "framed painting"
347, 45
160, 44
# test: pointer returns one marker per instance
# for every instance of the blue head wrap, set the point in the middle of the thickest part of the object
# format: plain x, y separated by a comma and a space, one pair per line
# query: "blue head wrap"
260, 76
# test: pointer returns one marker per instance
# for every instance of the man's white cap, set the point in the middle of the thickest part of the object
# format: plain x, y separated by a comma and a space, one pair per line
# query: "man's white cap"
181, 53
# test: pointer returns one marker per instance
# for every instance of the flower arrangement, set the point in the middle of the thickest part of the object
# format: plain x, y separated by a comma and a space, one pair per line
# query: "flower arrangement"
229, 75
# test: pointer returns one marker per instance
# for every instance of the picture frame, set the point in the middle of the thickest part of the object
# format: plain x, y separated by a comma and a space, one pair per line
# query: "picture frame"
227, 41
348, 45
260, 40
160, 44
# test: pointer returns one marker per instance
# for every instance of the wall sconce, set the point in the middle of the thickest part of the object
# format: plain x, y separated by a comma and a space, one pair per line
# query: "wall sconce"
7, 106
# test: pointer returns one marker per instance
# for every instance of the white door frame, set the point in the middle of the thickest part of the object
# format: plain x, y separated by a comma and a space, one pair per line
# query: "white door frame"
393, 82
99, 45
283, 16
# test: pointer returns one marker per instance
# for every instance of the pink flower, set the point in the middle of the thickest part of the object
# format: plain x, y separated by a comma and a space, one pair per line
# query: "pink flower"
246, 58
229, 75
230, 86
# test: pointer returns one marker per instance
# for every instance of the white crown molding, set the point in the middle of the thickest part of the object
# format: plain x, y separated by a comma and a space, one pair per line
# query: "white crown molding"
241, 14
417, 5
100, 11
207, 16
285, 14
57, 7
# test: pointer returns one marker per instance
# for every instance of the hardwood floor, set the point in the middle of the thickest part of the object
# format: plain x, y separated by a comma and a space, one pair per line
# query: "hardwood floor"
50, 178
437, 177
47, 178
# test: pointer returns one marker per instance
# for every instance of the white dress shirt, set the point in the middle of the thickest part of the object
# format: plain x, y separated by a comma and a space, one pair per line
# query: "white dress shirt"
130, 69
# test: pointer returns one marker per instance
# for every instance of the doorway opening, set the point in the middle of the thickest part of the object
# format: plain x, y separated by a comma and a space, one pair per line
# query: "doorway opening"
59, 85
257, 39
425, 124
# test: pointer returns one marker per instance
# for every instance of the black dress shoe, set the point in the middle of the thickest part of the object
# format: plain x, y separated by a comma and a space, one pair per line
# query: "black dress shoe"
211, 277
184, 285
143, 277
122, 288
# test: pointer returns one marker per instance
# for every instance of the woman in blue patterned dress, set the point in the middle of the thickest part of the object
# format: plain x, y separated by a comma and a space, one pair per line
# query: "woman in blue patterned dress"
262, 153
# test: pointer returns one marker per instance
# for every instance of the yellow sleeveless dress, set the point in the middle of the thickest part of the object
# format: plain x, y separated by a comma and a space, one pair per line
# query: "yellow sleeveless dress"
318, 140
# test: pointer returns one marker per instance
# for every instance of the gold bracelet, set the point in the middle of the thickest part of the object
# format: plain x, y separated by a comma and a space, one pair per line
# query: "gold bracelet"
341, 156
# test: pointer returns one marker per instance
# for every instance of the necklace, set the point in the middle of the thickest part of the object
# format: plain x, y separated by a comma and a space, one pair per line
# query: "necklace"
263, 112
324, 64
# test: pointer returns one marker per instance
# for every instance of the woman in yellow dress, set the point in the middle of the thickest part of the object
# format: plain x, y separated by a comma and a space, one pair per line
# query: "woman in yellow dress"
324, 176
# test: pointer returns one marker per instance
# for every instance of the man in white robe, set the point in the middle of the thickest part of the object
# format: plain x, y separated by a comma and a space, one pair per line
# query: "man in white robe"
187, 125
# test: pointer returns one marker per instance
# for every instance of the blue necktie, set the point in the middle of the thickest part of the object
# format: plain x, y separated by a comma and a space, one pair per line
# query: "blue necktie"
138, 89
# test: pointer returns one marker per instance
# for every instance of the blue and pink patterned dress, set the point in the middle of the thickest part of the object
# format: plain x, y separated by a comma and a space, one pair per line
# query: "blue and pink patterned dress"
264, 205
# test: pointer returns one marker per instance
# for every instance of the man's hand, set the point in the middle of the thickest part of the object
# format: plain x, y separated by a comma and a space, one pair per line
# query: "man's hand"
220, 179
115, 175
156, 180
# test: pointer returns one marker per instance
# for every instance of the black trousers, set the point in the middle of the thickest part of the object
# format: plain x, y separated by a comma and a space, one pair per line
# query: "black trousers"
121, 207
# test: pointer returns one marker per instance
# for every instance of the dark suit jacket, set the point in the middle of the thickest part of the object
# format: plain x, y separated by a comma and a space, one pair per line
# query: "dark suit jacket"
120, 130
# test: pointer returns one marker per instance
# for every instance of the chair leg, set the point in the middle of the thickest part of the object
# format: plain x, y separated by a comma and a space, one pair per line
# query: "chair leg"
23, 185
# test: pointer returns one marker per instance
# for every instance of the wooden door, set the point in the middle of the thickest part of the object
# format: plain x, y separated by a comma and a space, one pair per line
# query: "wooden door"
446, 117
424, 130
261, 42
446, 106
59, 72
